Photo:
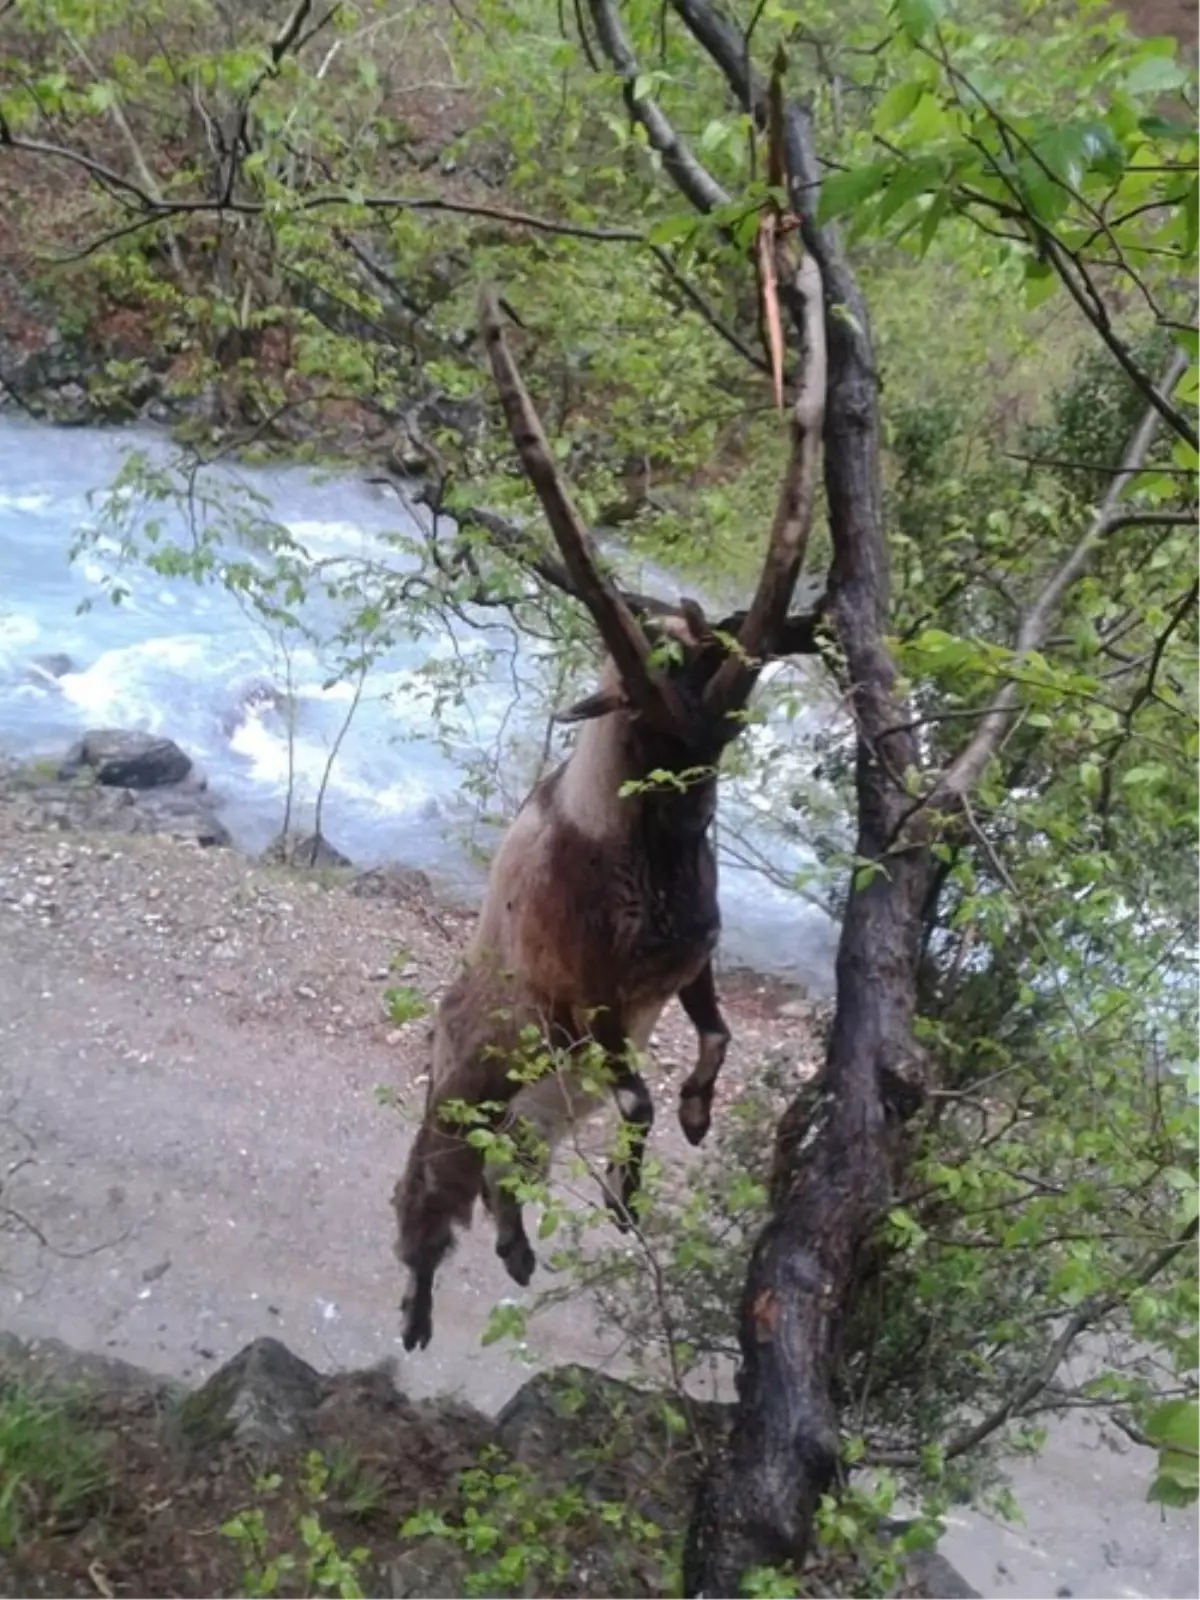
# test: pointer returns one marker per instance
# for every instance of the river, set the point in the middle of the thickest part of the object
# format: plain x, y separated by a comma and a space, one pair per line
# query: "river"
186, 660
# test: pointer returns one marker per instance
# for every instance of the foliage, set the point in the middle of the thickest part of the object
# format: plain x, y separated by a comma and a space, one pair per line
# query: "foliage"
1022, 202
404, 1003
51, 1467
317, 1561
519, 1538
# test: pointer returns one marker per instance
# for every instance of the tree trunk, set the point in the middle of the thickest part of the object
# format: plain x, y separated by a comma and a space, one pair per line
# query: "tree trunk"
757, 1501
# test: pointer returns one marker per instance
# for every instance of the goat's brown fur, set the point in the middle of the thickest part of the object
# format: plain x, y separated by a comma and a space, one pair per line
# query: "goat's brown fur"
600, 908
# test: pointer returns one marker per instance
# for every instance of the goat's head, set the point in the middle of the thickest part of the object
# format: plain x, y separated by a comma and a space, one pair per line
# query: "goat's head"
659, 724
667, 717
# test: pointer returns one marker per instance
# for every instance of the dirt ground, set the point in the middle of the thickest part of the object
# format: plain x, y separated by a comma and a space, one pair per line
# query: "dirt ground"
190, 1049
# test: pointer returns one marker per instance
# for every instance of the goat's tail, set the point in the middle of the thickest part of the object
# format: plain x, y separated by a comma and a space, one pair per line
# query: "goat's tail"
436, 1195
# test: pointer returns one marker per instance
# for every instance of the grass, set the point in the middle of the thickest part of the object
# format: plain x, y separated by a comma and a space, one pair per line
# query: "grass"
50, 1465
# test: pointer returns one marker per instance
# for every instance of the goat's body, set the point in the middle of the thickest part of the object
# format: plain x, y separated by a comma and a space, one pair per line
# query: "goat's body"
600, 909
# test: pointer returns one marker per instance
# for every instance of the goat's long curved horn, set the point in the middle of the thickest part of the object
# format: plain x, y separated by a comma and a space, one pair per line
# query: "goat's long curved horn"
648, 690
793, 513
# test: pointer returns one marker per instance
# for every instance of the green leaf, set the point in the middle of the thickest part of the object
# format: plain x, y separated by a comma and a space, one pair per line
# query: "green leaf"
673, 227
1190, 212
1040, 282
931, 221
1154, 75
1175, 1423
842, 191
896, 105
907, 183
916, 17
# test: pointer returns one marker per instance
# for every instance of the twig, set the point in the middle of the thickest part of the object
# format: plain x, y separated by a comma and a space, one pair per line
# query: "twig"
964, 771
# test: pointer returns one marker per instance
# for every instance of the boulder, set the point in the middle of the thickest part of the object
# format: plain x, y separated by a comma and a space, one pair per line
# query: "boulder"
616, 1441
265, 1397
192, 1456
126, 760
56, 664
305, 850
181, 811
188, 814
397, 884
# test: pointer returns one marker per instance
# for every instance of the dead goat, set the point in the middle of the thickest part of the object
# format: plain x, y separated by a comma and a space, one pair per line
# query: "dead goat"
602, 900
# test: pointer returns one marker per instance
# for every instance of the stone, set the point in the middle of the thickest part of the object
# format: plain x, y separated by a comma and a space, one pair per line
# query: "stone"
929, 1573
188, 814
26, 1584
614, 1439
397, 884
181, 812
265, 1396
126, 760
48, 1363
56, 664
305, 850
434, 1570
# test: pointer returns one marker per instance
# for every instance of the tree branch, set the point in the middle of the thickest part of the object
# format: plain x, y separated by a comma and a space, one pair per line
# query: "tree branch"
788, 544
965, 770
161, 210
757, 1502
1086, 1316
692, 179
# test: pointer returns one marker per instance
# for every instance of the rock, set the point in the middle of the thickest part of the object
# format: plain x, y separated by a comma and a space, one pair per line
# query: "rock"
617, 1441
929, 1573
397, 884
435, 1570
54, 665
407, 459
18, 1583
569, 1428
50, 1364
307, 850
127, 760
938, 1579
181, 811
187, 813
265, 1396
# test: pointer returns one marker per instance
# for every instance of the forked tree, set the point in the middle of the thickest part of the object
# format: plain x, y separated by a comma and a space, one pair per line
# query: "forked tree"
601, 904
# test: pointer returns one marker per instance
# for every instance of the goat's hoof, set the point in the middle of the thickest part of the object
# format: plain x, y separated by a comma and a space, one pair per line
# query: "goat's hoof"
518, 1258
418, 1325
695, 1116
620, 1212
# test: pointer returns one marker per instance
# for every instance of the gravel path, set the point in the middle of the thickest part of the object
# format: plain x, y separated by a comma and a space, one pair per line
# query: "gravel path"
193, 1046
190, 1047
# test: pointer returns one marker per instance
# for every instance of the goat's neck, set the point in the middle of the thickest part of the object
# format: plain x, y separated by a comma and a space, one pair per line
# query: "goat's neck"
590, 789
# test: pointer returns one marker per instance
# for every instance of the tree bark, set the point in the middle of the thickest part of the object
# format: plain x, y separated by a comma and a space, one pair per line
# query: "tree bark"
757, 1501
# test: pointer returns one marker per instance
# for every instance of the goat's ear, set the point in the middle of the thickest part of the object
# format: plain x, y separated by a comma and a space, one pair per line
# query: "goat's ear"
595, 705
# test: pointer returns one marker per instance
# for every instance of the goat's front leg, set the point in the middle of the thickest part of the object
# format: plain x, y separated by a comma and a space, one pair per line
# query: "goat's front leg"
539, 1115
699, 1001
512, 1242
623, 1178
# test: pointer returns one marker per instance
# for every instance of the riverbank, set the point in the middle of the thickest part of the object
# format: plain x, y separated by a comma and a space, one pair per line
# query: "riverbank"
190, 1048
194, 1042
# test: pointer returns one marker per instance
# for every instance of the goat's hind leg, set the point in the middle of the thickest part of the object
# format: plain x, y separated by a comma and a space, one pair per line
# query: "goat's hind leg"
435, 1196
699, 1001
